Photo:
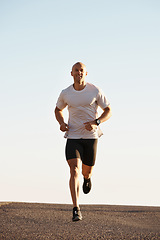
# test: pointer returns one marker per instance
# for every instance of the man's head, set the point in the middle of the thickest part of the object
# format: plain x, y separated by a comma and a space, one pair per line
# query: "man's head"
79, 72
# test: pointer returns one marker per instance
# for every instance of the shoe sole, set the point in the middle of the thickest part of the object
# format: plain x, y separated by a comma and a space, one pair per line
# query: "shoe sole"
76, 219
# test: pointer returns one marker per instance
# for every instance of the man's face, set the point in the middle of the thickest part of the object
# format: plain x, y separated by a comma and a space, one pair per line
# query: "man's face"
79, 72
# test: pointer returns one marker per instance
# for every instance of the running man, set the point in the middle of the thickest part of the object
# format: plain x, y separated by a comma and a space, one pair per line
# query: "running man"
82, 130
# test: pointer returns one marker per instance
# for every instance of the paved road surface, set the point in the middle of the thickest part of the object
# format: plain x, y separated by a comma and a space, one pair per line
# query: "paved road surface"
27, 221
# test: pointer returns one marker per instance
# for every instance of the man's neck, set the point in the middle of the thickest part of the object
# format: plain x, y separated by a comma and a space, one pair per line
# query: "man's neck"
79, 87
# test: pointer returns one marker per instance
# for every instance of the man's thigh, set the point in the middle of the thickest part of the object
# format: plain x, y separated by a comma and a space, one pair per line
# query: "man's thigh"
73, 149
89, 152
74, 162
84, 149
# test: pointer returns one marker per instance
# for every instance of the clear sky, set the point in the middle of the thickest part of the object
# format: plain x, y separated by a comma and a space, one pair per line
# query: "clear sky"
119, 41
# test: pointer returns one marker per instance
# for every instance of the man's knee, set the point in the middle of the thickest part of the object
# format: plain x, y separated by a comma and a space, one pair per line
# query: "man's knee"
74, 171
74, 165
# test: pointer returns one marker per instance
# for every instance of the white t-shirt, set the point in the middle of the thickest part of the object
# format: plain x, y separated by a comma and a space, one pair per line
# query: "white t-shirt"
82, 107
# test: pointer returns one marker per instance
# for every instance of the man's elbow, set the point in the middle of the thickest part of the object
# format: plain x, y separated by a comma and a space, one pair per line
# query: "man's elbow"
56, 111
108, 112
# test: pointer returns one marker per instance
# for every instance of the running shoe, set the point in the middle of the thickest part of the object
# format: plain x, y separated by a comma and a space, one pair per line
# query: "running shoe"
87, 185
76, 214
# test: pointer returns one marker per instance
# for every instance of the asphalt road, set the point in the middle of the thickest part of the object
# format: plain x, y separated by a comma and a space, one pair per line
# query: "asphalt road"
27, 221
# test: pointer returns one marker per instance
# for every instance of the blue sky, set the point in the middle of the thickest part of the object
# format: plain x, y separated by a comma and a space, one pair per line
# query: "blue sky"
119, 43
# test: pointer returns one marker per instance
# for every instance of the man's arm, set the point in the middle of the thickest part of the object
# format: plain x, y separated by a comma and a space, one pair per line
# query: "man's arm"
104, 117
106, 114
59, 116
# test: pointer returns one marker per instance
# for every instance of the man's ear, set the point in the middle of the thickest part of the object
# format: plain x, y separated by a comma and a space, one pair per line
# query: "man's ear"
71, 73
86, 73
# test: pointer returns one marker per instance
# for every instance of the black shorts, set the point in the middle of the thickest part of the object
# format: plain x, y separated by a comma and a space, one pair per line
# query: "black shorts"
85, 149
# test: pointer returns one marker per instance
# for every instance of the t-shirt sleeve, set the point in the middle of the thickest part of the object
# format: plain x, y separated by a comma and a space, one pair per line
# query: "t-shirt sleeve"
61, 104
102, 101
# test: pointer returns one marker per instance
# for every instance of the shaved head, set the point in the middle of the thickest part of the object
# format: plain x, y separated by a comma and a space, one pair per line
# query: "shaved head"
80, 64
79, 72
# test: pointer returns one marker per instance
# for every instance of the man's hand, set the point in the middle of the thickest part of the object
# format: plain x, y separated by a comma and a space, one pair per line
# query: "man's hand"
64, 127
89, 126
